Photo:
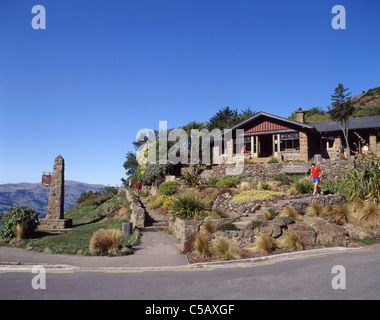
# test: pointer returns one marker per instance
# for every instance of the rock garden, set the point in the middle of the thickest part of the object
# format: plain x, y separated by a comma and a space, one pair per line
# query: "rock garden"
235, 217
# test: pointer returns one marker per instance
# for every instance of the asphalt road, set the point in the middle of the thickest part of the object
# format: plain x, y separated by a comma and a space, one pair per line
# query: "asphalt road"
310, 277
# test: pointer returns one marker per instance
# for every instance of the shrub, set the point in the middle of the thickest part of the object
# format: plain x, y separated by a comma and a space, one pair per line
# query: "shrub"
272, 159
304, 185
212, 181
255, 223
366, 181
330, 186
187, 206
168, 188
226, 226
191, 177
23, 215
201, 246
228, 182
105, 240
346, 189
155, 172
225, 249
283, 178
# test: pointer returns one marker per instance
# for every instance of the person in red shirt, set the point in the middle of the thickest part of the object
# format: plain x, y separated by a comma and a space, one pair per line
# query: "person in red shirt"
138, 187
316, 173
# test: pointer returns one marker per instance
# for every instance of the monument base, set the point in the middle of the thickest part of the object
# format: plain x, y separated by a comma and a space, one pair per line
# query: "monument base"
55, 224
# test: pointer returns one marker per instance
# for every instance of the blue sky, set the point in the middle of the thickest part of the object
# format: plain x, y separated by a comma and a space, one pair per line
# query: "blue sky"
102, 70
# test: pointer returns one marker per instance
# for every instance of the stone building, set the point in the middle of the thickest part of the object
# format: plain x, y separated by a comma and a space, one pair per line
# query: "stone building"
264, 135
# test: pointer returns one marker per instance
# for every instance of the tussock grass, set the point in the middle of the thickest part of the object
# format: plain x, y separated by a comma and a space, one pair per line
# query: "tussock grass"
356, 204
225, 249
314, 210
19, 232
209, 227
244, 186
340, 214
263, 244
292, 190
201, 246
291, 241
328, 209
289, 211
369, 214
104, 240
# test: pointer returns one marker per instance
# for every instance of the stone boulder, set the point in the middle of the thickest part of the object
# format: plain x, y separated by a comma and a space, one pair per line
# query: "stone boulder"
326, 233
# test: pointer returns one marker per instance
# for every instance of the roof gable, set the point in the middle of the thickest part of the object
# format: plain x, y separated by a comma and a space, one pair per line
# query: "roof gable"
277, 123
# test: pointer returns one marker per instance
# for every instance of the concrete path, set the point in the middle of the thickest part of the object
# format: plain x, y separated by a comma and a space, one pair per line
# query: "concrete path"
158, 249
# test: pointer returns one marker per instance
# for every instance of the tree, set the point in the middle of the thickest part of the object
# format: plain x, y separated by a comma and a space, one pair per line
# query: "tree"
131, 164
226, 118
341, 110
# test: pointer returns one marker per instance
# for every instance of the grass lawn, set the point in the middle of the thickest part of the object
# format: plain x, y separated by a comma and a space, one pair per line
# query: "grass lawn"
86, 220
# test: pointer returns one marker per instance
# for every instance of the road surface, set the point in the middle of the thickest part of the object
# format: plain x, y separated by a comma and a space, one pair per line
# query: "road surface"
310, 277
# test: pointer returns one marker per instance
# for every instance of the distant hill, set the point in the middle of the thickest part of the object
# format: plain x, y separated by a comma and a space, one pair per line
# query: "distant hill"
36, 196
366, 104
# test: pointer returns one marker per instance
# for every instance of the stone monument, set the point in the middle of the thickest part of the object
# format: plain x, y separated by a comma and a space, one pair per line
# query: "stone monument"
55, 211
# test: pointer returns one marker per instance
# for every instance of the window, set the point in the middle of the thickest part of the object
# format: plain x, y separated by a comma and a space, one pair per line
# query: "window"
327, 142
289, 141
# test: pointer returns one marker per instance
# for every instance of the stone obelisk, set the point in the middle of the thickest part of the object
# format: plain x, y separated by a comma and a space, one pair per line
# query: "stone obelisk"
55, 211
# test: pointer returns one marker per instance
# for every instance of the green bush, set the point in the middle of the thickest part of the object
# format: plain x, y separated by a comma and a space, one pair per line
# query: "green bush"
168, 188
213, 181
187, 206
155, 172
226, 226
304, 185
330, 186
18, 215
191, 177
366, 179
228, 182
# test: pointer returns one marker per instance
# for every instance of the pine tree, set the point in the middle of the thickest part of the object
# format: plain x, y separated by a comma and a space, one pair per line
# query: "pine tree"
341, 110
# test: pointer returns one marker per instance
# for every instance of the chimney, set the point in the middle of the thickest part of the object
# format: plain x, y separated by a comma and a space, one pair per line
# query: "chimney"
300, 115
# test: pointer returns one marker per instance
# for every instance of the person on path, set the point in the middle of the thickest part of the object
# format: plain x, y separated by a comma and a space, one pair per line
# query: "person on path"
130, 183
138, 187
316, 174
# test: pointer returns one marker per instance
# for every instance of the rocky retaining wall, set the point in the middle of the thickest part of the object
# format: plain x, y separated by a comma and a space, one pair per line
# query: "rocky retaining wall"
186, 230
138, 212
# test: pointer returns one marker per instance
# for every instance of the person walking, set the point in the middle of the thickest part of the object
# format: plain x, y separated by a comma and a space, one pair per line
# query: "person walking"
138, 187
316, 174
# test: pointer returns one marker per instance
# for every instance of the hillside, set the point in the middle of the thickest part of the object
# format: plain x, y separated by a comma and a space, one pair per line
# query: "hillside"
366, 104
36, 196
